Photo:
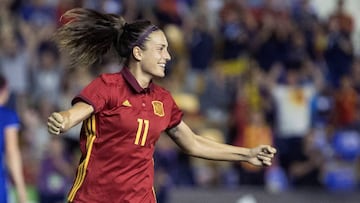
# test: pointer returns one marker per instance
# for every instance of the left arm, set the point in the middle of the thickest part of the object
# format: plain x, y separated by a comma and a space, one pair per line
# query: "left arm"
14, 162
201, 147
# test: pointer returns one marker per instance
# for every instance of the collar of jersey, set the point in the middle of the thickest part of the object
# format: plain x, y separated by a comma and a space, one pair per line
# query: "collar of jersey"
130, 79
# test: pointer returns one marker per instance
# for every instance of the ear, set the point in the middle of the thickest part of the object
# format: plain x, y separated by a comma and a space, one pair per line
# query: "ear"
137, 53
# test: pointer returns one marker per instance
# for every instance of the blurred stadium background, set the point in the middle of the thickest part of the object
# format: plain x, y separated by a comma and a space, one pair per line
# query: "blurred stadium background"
282, 72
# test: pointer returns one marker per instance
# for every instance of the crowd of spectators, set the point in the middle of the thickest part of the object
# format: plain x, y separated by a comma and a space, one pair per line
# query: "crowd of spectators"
244, 72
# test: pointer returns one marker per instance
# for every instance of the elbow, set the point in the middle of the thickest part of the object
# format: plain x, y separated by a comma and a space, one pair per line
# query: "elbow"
191, 149
188, 148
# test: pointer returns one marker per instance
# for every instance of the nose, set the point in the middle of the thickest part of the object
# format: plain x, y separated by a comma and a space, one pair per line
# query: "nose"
167, 56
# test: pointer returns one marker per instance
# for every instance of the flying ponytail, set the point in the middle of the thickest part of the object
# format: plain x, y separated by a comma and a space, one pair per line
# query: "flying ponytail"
89, 35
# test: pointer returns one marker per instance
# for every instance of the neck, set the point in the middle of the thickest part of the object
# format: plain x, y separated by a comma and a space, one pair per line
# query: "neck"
3, 97
141, 77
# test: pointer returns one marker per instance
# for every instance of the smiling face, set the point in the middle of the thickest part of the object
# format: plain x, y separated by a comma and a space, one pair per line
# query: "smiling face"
156, 55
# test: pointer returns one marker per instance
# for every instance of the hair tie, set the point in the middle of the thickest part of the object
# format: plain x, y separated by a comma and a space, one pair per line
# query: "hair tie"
120, 32
145, 34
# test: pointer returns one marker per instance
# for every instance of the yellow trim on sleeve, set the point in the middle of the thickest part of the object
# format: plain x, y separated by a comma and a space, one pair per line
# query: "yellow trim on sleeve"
90, 131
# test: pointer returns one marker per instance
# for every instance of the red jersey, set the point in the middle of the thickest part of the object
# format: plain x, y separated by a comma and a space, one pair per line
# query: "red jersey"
117, 141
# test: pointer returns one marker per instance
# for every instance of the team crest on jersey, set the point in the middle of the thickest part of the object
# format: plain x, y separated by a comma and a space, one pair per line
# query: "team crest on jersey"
158, 108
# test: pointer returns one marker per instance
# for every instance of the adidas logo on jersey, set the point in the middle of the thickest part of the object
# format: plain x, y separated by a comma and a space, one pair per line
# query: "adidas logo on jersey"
126, 103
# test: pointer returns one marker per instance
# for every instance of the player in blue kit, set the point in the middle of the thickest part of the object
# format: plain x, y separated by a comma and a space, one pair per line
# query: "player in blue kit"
9, 148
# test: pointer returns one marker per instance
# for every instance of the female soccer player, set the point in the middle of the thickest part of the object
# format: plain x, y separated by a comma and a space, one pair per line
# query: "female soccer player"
123, 113
9, 148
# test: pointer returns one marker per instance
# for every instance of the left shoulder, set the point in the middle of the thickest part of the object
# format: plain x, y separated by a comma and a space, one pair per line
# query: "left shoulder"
9, 116
7, 111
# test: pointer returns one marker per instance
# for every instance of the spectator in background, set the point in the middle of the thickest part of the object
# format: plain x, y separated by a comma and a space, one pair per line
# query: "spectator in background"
35, 137
10, 159
355, 75
131, 10
255, 131
233, 30
292, 100
7, 14
216, 97
14, 62
305, 17
271, 43
251, 96
55, 173
340, 171
355, 124
314, 151
317, 44
346, 102
168, 170
47, 73
297, 47
344, 19
339, 52
304, 14
168, 12
38, 13
323, 108
201, 48
210, 173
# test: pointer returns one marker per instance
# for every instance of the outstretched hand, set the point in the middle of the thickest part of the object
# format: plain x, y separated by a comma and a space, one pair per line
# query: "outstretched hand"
262, 155
56, 123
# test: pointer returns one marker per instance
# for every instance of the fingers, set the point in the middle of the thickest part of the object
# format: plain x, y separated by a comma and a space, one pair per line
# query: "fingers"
267, 163
268, 149
55, 123
265, 160
266, 155
54, 131
57, 118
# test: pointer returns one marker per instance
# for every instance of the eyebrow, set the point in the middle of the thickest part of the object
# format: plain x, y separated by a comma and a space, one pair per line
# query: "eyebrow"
161, 45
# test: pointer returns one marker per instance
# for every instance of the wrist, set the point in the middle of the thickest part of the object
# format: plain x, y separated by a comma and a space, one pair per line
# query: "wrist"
65, 124
247, 154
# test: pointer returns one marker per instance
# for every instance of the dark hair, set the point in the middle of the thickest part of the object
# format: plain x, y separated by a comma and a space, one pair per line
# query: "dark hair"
89, 35
2, 82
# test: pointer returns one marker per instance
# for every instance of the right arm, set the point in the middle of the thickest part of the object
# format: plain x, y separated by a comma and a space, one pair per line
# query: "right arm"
59, 122
201, 147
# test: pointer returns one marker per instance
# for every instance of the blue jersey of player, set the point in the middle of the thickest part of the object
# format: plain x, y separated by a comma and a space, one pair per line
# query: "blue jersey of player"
8, 118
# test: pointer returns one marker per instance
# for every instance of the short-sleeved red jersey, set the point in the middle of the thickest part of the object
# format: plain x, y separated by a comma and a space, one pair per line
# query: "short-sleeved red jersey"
117, 141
